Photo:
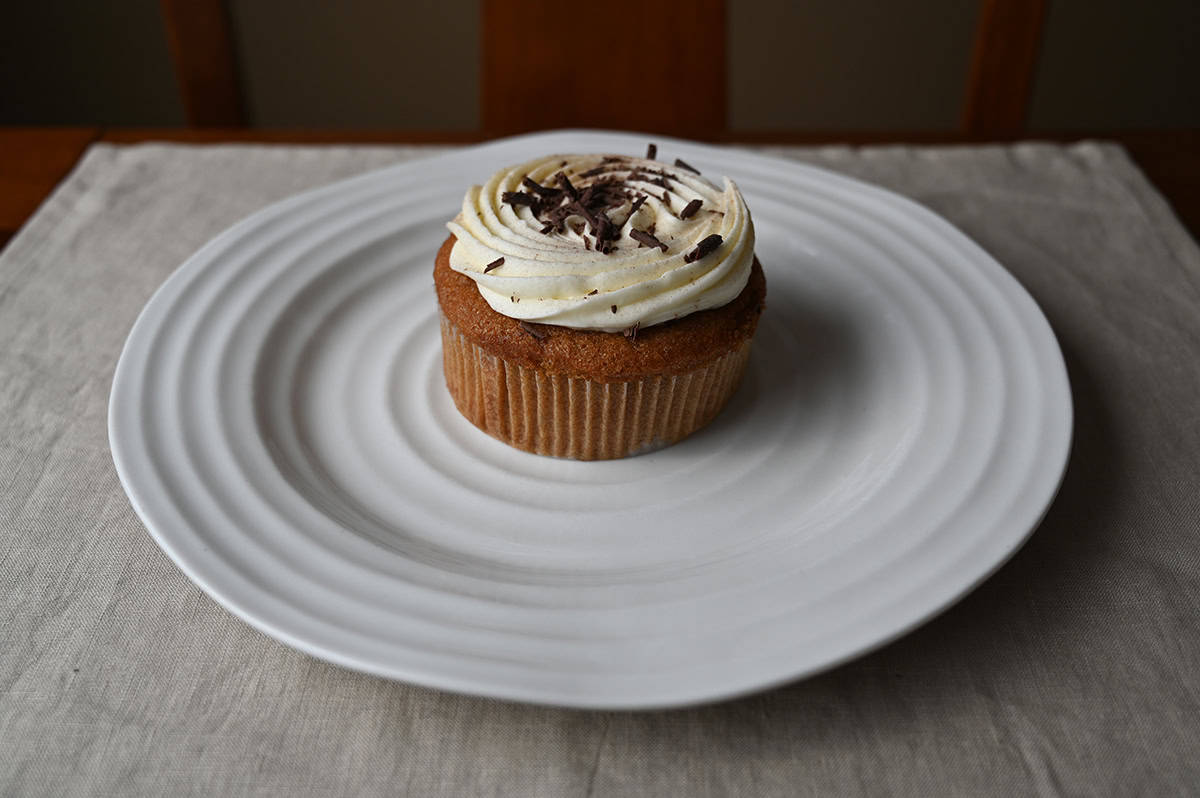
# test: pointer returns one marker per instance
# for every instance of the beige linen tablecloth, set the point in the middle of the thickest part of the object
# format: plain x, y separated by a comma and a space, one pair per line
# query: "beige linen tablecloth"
1075, 670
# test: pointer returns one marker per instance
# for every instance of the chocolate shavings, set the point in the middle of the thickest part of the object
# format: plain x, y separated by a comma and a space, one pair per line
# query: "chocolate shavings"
593, 292
588, 196
601, 190
651, 152
705, 247
539, 189
690, 208
533, 330
604, 233
586, 213
566, 186
517, 198
614, 308
496, 264
631, 332
646, 239
682, 164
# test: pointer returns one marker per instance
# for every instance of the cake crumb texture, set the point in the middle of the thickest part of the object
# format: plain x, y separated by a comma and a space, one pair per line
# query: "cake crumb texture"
669, 349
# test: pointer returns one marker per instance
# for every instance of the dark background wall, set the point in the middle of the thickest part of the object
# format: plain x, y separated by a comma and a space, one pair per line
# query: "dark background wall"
1119, 64
74, 62
809, 65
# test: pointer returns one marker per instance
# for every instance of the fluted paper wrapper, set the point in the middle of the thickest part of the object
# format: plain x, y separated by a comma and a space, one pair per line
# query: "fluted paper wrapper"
583, 419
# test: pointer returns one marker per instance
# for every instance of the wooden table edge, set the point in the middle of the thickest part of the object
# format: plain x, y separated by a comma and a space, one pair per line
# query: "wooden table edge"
34, 160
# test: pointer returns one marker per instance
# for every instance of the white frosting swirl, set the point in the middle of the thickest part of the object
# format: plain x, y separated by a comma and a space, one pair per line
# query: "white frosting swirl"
560, 278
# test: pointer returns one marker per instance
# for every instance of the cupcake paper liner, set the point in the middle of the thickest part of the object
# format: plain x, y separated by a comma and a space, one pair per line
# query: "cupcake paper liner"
579, 418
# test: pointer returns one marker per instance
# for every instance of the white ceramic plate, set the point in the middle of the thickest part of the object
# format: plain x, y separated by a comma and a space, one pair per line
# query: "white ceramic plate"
280, 423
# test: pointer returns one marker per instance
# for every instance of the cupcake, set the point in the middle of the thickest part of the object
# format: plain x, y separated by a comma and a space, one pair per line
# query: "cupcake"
597, 306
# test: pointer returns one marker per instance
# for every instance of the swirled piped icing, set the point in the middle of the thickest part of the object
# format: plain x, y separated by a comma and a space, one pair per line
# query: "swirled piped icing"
603, 242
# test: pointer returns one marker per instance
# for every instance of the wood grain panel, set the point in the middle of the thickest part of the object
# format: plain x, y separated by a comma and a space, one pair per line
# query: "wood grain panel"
658, 67
32, 162
1007, 39
199, 40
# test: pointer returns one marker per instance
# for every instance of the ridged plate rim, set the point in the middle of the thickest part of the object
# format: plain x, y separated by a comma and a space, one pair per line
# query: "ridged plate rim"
183, 538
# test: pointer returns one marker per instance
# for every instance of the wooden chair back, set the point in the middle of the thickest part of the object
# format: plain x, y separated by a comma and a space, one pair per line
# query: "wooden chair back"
649, 66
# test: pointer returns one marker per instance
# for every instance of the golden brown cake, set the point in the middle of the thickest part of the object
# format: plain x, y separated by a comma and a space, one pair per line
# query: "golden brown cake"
595, 307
